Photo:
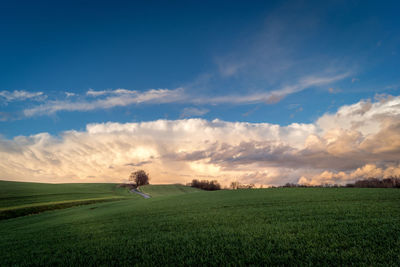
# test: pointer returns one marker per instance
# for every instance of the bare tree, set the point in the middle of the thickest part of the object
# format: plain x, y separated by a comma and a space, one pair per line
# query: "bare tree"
139, 177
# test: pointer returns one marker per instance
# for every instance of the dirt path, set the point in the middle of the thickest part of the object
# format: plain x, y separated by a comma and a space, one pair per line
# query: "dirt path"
139, 193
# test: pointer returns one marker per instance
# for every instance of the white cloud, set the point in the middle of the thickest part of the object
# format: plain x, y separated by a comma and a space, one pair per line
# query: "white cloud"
122, 97
20, 95
364, 116
92, 92
357, 141
162, 144
341, 177
69, 94
120, 91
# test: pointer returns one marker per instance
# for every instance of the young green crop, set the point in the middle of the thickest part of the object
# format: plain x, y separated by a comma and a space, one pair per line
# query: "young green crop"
285, 226
19, 199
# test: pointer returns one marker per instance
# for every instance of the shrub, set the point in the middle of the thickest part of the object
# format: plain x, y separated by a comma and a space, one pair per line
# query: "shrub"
238, 185
391, 182
205, 184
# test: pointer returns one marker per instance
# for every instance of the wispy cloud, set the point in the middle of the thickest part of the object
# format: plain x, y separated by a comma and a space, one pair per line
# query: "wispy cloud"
5, 116
120, 98
334, 90
20, 95
107, 99
69, 94
192, 111
274, 96
119, 91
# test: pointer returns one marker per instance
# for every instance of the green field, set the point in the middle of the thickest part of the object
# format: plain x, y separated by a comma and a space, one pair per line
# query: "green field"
167, 190
18, 199
184, 226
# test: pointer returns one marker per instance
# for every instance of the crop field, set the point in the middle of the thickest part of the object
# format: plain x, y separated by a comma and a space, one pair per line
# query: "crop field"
185, 226
167, 190
18, 199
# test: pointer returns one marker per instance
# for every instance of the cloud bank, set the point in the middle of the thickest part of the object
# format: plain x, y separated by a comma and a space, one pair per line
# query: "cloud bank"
358, 141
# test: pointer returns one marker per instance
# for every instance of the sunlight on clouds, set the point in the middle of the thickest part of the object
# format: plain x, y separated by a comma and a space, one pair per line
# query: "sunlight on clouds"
341, 177
204, 168
142, 153
358, 141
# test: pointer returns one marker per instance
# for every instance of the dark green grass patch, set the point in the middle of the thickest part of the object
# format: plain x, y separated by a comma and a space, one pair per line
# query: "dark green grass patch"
7, 213
292, 226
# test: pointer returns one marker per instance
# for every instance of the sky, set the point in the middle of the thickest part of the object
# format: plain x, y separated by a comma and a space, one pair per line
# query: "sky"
264, 92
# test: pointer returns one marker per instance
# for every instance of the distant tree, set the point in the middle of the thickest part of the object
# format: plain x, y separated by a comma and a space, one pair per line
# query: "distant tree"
234, 185
391, 182
205, 184
139, 177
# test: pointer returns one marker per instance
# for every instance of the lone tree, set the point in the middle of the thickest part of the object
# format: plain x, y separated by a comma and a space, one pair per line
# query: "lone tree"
139, 177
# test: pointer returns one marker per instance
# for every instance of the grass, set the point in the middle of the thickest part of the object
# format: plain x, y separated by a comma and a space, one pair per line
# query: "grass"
19, 199
283, 226
167, 190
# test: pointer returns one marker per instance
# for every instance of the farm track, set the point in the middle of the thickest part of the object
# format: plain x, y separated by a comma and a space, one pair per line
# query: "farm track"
140, 193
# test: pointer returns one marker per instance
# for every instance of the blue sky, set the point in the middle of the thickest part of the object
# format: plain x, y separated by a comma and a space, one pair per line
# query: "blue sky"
209, 49
267, 92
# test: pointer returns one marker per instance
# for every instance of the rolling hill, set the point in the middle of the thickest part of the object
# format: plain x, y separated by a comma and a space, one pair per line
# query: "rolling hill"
183, 226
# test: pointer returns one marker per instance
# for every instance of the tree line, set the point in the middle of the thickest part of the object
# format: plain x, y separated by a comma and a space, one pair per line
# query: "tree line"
390, 182
205, 184
140, 177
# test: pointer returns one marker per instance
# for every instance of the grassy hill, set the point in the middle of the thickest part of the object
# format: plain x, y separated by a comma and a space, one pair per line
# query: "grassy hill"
167, 190
283, 226
17, 199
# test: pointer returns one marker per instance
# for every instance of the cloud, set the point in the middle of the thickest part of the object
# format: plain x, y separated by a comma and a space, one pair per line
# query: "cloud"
278, 51
69, 94
92, 92
118, 98
192, 111
20, 95
271, 97
334, 90
227, 69
107, 99
80, 156
341, 177
365, 116
139, 164
359, 140
119, 91
5, 116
